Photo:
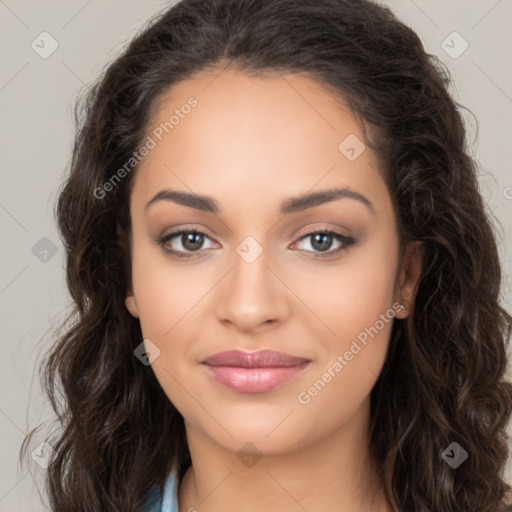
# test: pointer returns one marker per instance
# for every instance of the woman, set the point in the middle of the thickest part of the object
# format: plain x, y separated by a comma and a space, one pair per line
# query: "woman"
286, 282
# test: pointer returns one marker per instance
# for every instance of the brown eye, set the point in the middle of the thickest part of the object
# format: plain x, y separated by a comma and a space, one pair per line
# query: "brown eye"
322, 241
192, 241
183, 243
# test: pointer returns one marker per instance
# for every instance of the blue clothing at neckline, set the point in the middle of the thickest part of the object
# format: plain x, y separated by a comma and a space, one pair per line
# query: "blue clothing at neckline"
166, 501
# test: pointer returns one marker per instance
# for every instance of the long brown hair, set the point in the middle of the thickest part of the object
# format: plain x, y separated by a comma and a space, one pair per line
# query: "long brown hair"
443, 380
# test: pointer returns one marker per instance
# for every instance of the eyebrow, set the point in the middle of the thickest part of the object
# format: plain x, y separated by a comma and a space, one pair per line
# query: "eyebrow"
290, 205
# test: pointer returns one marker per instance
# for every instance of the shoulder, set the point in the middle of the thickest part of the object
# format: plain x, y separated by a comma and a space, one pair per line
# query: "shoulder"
166, 501
153, 501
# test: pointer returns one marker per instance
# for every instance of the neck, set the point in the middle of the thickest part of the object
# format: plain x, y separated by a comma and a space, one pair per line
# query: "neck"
331, 473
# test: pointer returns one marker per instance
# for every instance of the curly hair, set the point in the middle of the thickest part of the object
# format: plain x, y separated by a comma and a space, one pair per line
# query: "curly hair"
444, 377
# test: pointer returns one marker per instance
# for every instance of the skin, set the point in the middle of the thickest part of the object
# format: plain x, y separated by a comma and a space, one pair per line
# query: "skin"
251, 143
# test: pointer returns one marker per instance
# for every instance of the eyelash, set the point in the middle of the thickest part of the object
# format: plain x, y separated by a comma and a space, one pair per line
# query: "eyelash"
346, 242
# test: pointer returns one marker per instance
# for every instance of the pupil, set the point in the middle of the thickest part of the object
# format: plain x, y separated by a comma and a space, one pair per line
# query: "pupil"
324, 241
191, 242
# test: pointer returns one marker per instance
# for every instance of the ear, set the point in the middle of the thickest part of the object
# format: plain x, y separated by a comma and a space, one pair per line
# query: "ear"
408, 277
131, 305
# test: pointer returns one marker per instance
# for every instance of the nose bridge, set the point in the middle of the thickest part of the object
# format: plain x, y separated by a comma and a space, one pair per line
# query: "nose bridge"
251, 295
250, 274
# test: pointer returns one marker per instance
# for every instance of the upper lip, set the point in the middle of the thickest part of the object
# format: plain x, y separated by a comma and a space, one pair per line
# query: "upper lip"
260, 359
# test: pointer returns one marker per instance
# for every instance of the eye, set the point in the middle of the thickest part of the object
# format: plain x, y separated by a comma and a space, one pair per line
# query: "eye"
187, 241
322, 241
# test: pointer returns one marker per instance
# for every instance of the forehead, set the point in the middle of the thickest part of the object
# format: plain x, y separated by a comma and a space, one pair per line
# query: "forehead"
273, 134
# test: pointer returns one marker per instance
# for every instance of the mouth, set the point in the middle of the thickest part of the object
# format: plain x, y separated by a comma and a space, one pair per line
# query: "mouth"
254, 372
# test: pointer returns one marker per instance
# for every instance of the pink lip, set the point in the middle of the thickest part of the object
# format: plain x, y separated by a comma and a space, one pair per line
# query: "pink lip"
254, 372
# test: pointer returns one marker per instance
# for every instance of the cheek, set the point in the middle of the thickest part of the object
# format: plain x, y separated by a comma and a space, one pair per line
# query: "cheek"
357, 306
353, 357
166, 292
369, 293
351, 296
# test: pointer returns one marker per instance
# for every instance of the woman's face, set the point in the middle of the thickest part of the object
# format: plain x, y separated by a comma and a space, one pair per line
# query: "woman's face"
255, 278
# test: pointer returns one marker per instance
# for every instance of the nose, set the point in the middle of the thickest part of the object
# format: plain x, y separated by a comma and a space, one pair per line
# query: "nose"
252, 297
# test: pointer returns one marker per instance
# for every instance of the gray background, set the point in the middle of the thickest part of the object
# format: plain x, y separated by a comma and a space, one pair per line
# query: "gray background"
36, 101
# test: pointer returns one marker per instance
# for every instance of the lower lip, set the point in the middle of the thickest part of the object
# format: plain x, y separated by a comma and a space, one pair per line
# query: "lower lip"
254, 380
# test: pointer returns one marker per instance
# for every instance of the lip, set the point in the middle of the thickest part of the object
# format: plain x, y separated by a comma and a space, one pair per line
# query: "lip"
254, 372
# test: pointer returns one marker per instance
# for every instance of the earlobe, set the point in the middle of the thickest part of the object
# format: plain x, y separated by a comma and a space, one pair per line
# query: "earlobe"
408, 280
131, 305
